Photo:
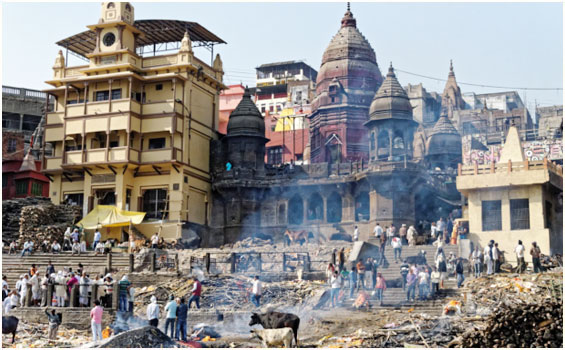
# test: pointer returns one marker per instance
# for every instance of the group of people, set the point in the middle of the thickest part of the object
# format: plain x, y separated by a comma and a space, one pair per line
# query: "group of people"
64, 281
492, 257
357, 278
73, 241
176, 311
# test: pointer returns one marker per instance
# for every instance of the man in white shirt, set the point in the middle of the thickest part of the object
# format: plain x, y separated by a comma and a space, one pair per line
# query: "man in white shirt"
153, 312
335, 282
55, 247
97, 237
423, 285
520, 249
356, 234
154, 241
256, 291
378, 230
489, 257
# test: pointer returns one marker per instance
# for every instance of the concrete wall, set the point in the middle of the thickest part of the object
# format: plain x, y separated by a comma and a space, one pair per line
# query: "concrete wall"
507, 238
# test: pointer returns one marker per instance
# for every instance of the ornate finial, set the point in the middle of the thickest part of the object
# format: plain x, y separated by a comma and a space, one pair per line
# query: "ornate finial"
348, 6
186, 43
390, 70
348, 20
451, 65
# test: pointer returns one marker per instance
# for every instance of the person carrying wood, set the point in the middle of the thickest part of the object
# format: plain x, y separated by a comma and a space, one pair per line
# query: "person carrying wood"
54, 322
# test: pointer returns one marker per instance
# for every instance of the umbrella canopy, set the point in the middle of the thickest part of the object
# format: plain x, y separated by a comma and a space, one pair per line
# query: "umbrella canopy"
110, 216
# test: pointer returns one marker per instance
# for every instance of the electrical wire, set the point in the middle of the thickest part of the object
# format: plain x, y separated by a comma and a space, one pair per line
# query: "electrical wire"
479, 85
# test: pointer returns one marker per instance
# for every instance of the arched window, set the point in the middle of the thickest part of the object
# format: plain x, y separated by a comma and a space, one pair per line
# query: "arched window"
110, 5
398, 142
362, 206
383, 145
334, 208
315, 207
372, 141
128, 7
295, 210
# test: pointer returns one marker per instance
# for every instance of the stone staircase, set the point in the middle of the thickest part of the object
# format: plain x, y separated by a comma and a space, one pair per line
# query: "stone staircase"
394, 296
14, 265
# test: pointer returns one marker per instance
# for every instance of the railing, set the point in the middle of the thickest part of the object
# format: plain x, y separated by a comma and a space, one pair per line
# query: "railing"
156, 155
73, 71
96, 155
159, 61
158, 107
53, 163
73, 157
23, 93
117, 154
509, 167
55, 118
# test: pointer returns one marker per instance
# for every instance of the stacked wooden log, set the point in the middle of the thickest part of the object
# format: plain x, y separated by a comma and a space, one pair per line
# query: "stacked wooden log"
46, 222
525, 326
11, 211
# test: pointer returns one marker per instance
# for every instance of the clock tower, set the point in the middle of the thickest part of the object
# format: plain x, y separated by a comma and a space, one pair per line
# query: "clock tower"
115, 33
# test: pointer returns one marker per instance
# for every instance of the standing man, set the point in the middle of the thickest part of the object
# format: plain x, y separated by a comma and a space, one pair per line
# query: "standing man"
382, 249
404, 269
397, 247
402, 233
520, 249
97, 237
131, 296
411, 286
96, 321
378, 230
380, 287
75, 235
433, 231
171, 310
497, 254
440, 228
361, 273
196, 292
390, 233
50, 268
373, 272
54, 322
336, 286
435, 278
182, 312
489, 257
256, 291
356, 234
154, 241
459, 270
423, 285
123, 293
535, 252
153, 312
341, 258
476, 257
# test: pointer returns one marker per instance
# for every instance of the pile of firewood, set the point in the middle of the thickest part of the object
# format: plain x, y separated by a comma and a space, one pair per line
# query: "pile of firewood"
531, 325
46, 222
11, 211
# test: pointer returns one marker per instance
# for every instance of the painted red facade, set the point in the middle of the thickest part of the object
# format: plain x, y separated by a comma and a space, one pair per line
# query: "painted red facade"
20, 184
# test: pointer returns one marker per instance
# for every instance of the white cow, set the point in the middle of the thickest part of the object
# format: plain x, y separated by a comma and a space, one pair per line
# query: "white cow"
275, 337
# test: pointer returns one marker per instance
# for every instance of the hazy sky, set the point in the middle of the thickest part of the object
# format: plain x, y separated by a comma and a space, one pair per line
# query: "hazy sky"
500, 44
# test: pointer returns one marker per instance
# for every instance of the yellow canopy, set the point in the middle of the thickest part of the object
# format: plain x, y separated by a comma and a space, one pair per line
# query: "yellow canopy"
110, 216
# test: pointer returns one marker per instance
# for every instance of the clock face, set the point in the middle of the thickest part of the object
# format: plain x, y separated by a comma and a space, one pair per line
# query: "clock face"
109, 39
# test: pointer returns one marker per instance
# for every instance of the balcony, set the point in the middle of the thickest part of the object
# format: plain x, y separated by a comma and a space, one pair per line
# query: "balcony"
55, 118
53, 163
53, 134
156, 155
73, 157
159, 107
97, 155
117, 154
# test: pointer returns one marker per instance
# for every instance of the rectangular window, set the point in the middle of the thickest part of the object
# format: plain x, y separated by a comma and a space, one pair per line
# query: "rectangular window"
262, 108
12, 144
274, 155
116, 94
154, 203
102, 95
74, 198
36, 189
21, 187
159, 87
491, 213
157, 143
519, 214
271, 108
4, 181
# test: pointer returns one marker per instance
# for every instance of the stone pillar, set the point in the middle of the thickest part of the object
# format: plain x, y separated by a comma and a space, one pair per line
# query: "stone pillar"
131, 263
115, 294
109, 261
94, 294
284, 262
390, 136
207, 262
325, 208
232, 262
74, 296
153, 261
260, 265
27, 301
21, 122
305, 207
373, 207
50, 289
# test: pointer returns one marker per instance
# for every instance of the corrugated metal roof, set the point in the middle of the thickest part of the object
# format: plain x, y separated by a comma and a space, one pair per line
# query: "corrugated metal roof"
157, 31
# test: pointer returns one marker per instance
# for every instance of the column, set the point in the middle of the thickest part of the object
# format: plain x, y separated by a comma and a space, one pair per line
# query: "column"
85, 96
325, 209
21, 122
110, 95
389, 144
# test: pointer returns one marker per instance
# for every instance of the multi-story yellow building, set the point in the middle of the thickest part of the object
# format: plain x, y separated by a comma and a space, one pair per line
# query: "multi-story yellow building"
133, 130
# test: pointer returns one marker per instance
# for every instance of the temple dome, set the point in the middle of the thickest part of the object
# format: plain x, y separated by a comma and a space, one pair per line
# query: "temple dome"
391, 101
444, 138
350, 59
246, 120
